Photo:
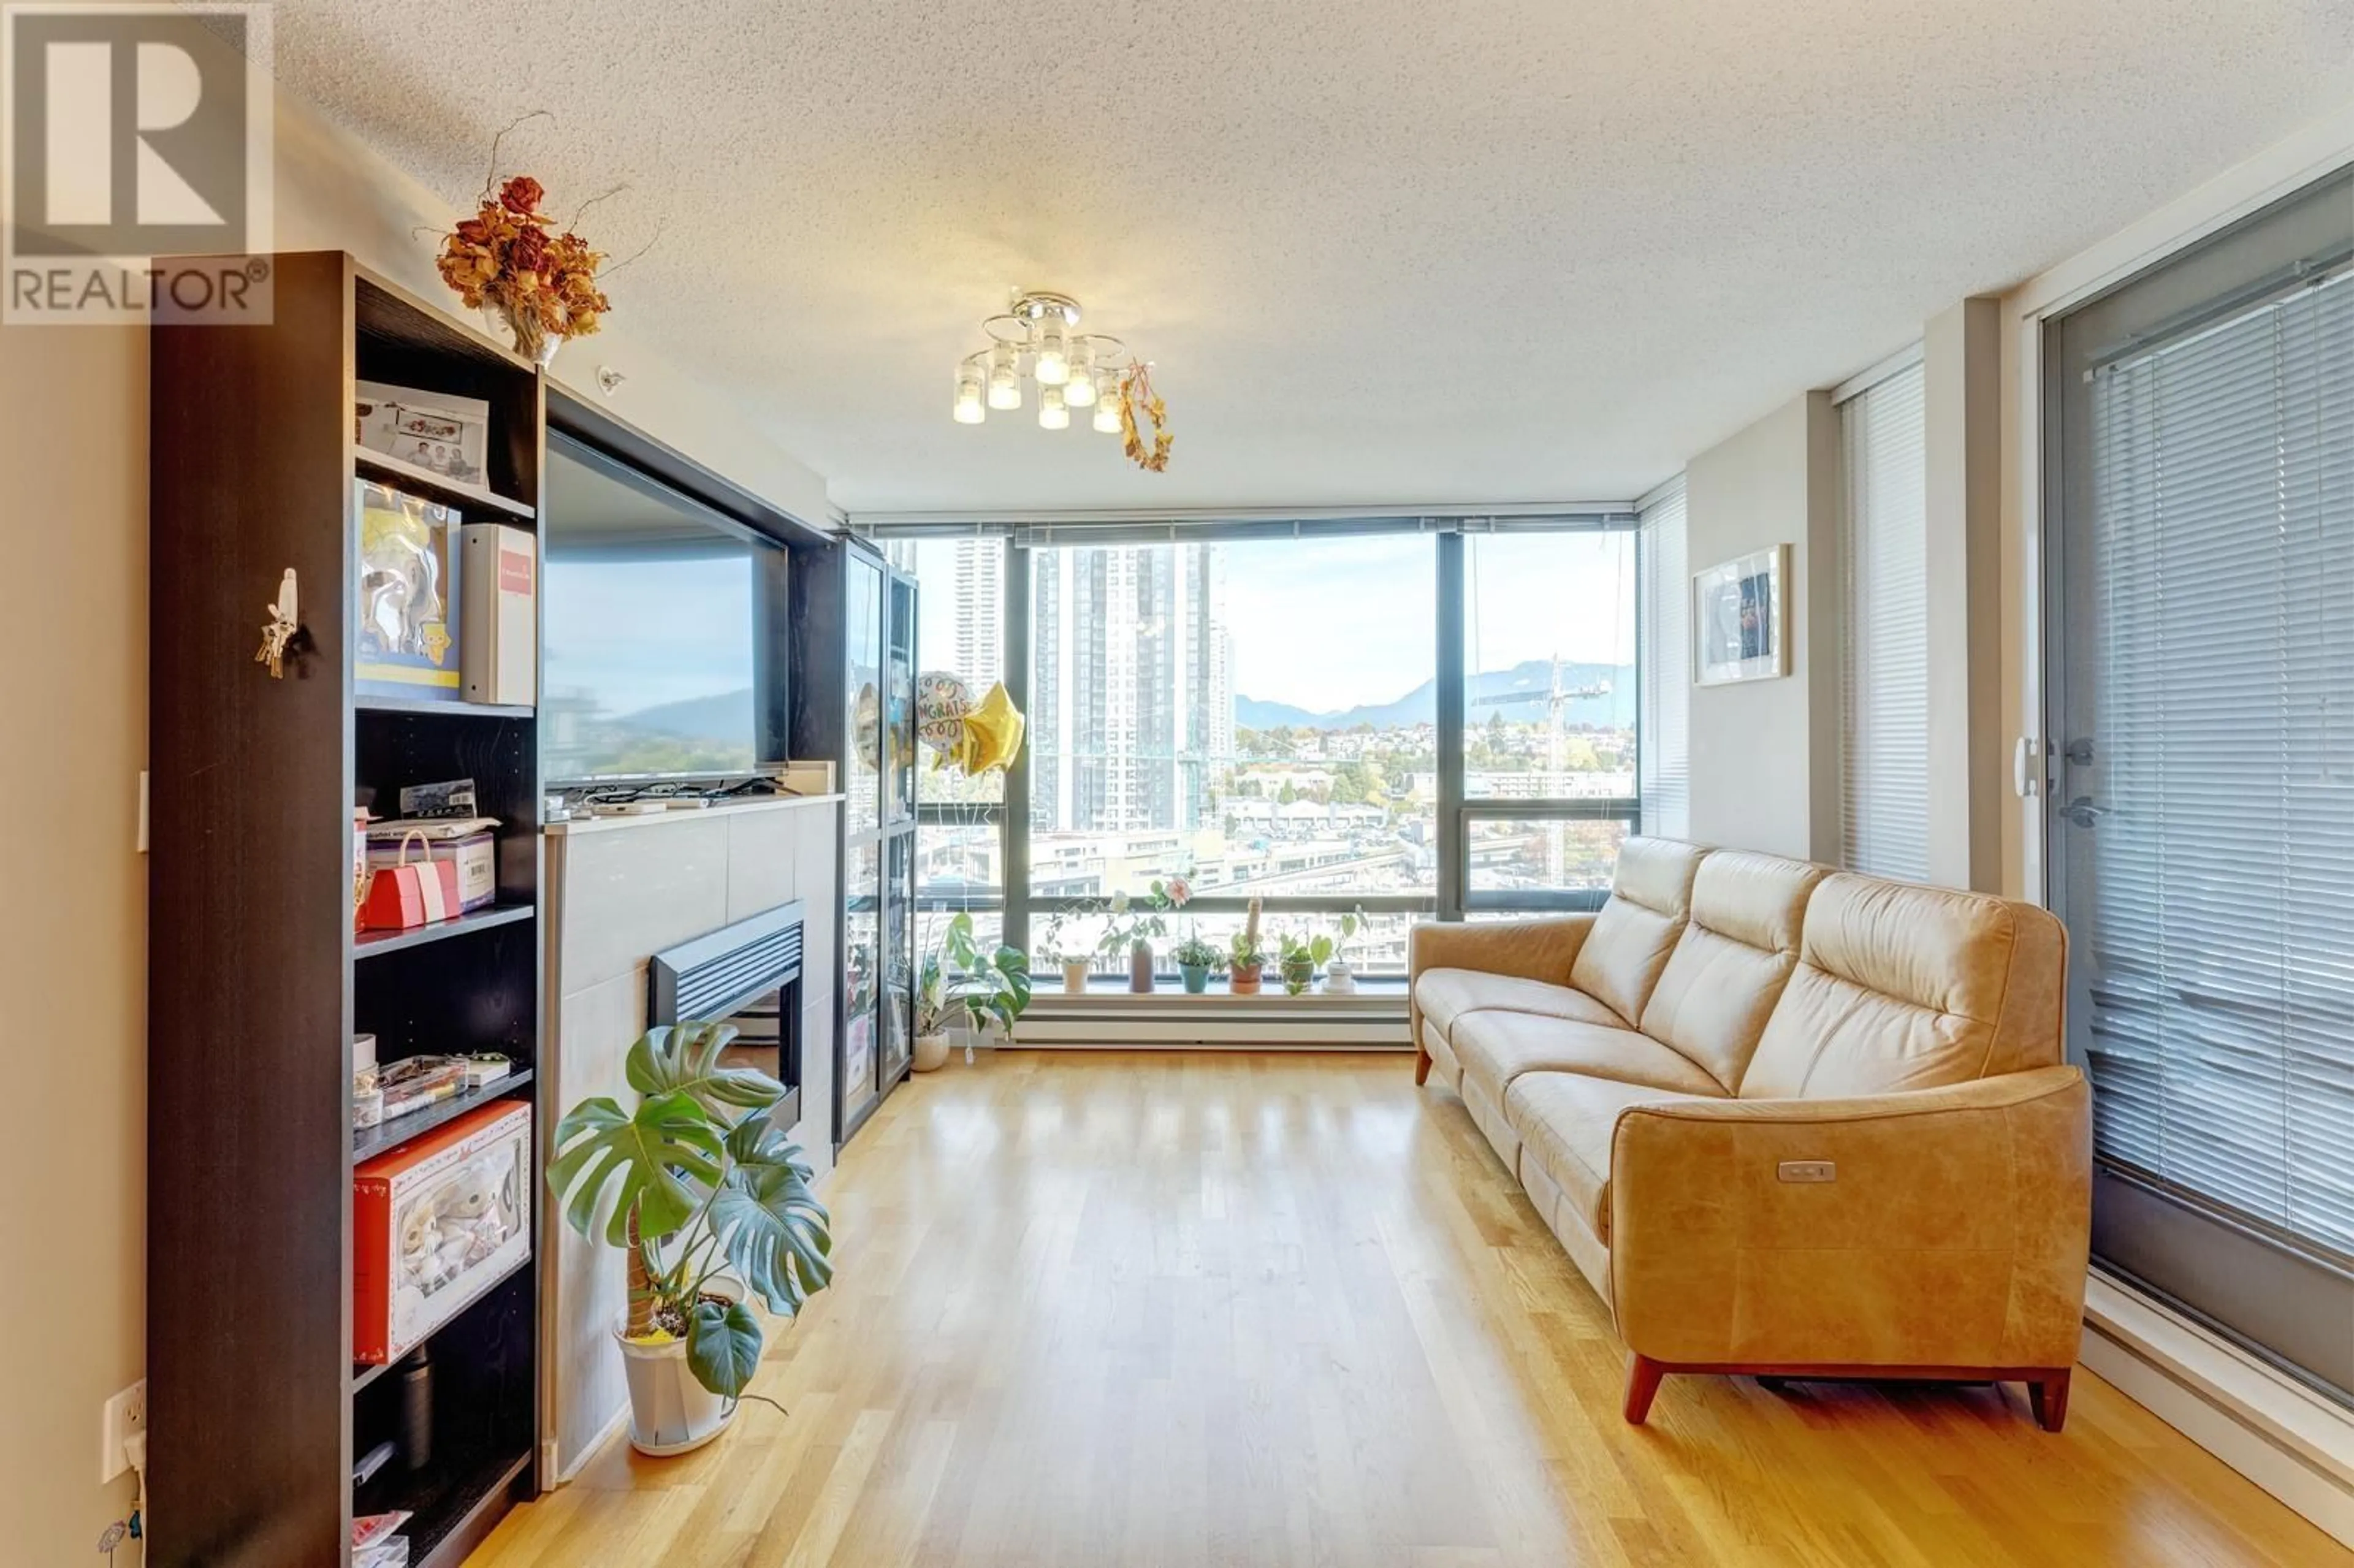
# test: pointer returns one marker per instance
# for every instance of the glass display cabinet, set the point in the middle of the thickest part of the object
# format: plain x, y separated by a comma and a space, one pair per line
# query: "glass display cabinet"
857, 704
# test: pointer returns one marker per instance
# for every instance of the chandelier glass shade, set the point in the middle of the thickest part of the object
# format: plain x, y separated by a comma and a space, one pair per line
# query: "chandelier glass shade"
1036, 343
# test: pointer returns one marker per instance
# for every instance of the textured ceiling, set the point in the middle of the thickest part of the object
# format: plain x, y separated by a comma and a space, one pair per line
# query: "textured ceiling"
1381, 252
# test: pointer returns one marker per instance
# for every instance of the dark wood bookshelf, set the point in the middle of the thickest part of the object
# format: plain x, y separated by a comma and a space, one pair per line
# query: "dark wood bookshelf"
256, 977
374, 944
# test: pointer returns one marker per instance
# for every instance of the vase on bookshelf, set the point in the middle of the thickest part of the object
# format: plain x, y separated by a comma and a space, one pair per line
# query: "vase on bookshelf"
532, 340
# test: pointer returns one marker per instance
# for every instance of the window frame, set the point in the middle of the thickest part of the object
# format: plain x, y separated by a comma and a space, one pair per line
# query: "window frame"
1450, 897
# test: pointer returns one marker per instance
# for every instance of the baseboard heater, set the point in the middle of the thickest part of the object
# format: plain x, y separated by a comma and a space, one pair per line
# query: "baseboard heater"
1121, 1020
2288, 1439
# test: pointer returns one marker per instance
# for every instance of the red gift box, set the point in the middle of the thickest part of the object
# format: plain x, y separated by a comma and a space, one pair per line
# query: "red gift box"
409, 894
435, 1223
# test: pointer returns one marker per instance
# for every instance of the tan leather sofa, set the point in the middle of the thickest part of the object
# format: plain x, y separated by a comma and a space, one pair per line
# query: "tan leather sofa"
1787, 1121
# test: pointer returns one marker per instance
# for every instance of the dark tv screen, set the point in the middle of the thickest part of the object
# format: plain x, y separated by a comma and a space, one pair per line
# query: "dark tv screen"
650, 628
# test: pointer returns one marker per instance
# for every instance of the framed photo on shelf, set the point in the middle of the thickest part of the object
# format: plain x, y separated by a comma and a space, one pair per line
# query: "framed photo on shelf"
1741, 619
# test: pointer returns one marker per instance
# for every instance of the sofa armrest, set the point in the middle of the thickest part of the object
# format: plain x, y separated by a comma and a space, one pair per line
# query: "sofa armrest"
1950, 1228
1531, 949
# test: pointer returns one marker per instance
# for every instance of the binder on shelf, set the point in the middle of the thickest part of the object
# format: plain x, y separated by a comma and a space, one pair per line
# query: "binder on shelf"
501, 628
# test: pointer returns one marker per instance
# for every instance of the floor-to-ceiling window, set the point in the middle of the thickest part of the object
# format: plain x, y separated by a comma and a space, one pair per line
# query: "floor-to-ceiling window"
1550, 710
1394, 718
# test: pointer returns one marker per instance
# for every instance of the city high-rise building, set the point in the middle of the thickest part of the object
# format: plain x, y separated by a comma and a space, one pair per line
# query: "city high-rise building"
978, 656
1131, 693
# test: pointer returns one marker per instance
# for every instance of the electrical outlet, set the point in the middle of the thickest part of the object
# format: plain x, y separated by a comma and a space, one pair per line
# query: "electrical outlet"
125, 1414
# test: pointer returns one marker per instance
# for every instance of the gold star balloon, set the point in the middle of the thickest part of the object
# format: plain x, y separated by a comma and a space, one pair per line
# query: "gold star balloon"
969, 735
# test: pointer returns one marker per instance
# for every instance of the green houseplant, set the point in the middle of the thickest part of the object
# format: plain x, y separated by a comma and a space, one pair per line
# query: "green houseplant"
710, 1204
961, 983
1246, 957
1195, 957
1057, 945
1299, 957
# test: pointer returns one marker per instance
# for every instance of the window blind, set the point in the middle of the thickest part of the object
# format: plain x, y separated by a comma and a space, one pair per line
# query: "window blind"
1884, 666
2221, 837
1663, 669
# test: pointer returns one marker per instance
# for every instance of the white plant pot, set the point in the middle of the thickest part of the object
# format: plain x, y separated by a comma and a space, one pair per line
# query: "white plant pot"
1340, 980
1075, 976
931, 1052
670, 1412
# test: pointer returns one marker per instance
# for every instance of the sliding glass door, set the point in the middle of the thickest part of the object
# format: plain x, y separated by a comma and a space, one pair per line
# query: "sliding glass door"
2200, 473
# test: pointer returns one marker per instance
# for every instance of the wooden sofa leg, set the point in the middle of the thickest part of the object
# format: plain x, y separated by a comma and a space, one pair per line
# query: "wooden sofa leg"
1643, 1376
2048, 1398
1421, 1064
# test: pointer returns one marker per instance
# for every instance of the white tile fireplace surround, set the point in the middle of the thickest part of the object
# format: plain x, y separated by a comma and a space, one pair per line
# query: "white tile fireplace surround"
622, 889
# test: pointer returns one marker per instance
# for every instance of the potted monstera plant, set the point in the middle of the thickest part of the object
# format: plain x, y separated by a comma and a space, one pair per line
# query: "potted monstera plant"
961, 982
713, 1208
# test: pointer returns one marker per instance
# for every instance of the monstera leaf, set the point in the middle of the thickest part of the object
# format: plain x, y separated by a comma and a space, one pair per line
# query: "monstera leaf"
777, 1236
723, 1347
685, 1059
650, 1162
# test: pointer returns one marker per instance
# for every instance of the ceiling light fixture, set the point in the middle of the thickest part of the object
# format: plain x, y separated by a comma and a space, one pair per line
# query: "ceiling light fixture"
1037, 340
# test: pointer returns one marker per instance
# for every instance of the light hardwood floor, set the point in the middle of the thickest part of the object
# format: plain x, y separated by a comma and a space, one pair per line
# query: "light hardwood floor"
1108, 1309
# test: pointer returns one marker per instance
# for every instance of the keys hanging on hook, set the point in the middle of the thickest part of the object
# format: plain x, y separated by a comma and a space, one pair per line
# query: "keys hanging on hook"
281, 631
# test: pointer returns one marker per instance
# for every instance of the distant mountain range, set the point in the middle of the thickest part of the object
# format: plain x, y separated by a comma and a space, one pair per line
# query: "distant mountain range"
1521, 690
725, 716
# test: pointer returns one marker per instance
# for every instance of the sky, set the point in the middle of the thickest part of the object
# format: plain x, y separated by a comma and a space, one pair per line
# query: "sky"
1330, 624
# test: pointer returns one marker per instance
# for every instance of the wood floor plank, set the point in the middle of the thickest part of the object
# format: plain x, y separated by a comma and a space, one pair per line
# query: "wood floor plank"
1223, 1311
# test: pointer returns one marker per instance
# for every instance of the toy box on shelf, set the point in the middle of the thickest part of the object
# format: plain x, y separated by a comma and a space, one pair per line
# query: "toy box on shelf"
435, 1223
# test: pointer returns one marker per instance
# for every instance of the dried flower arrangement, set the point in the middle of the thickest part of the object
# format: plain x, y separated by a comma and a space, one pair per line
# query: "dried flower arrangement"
542, 284
1135, 392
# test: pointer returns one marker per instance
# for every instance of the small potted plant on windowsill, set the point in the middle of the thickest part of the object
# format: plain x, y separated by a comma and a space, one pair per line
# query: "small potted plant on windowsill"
1340, 980
1299, 958
1056, 945
712, 1205
1196, 958
1246, 957
961, 985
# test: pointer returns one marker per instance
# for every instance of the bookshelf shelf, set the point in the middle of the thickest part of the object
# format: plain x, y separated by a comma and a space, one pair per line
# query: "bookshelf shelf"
374, 944
367, 1142
375, 703
393, 470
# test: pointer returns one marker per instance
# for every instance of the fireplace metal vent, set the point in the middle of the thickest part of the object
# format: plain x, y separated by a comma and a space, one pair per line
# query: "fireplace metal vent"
714, 975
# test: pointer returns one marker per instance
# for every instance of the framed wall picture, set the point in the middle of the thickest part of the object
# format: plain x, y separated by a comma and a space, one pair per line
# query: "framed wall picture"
1741, 619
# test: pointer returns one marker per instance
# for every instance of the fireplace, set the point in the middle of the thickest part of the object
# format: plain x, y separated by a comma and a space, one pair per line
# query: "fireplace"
748, 974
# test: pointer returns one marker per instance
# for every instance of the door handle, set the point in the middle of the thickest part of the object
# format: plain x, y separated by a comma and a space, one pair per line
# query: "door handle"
2082, 812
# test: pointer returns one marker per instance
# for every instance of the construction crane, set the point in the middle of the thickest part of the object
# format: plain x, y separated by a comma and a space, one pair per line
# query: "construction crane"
1557, 698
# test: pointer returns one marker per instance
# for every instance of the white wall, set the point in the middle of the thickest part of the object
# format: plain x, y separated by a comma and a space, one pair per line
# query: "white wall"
73, 641
1764, 753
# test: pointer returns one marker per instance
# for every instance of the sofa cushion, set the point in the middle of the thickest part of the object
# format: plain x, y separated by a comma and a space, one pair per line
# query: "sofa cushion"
1495, 1048
1633, 934
1740, 943
1905, 987
1565, 1122
1444, 995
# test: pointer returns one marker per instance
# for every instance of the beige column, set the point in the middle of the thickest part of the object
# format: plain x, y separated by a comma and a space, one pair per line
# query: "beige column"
1968, 754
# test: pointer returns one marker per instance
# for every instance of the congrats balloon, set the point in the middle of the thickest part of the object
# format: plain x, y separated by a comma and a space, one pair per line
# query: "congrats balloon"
971, 737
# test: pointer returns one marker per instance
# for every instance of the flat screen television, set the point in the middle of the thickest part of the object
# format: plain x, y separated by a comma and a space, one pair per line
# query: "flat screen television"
657, 655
